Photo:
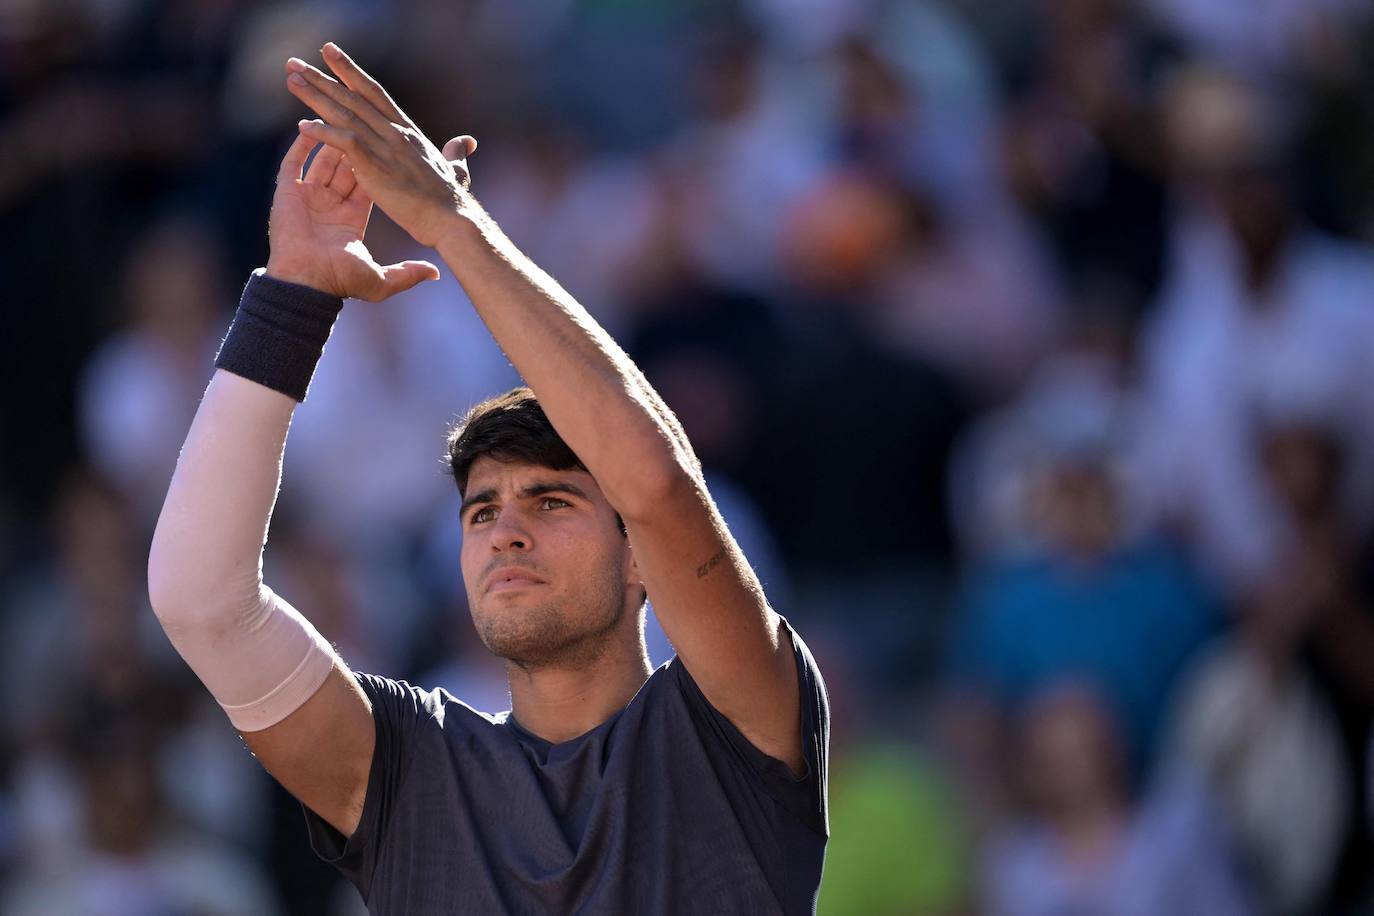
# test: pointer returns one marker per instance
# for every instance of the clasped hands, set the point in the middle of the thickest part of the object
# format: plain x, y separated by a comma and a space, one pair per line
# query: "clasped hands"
372, 153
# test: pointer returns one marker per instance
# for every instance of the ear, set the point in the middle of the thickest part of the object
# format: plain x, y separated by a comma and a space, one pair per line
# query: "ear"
632, 573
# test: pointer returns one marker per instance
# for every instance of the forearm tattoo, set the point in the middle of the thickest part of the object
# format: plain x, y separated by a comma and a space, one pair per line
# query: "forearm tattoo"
704, 569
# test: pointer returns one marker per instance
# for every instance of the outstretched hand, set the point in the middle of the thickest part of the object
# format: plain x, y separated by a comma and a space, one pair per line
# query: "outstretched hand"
316, 230
417, 184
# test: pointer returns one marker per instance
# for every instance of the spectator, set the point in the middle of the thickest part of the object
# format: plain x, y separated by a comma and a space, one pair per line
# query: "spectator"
78, 611
130, 859
1082, 151
748, 156
1266, 316
1092, 846
1278, 717
1267, 38
140, 388
1073, 583
1253, 723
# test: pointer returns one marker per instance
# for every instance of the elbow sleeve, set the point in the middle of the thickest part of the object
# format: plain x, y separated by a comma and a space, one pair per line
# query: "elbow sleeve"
259, 658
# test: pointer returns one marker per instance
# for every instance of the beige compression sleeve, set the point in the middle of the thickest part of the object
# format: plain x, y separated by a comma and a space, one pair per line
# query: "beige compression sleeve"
257, 655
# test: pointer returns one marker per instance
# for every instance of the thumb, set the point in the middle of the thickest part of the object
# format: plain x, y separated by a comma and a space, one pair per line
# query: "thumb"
397, 278
460, 148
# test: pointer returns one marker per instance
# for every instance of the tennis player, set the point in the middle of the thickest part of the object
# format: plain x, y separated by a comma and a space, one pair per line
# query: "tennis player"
699, 787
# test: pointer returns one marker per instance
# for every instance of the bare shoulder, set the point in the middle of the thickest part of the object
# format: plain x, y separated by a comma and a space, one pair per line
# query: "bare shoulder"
322, 752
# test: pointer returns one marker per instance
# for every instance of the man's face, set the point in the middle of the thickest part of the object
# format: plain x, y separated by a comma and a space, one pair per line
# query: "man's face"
549, 576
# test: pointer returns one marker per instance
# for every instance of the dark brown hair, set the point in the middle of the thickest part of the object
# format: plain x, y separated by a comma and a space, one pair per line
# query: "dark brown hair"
508, 427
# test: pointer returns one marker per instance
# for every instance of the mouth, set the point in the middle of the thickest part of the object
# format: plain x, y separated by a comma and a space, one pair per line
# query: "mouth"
508, 580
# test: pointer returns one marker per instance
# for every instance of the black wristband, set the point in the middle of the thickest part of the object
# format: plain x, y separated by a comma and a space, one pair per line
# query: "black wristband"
278, 334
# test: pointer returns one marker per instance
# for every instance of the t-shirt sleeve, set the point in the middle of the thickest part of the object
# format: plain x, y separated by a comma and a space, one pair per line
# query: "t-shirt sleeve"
805, 795
397, 710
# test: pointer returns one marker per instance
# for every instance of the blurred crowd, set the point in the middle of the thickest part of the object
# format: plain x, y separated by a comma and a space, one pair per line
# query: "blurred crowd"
1029, 349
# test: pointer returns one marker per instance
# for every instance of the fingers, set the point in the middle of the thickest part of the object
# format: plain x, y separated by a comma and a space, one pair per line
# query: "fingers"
397, 278
460, 147
294, 161
457, 151
324, 167
356, 79
330, 168
345, 141
334, 102
344, 180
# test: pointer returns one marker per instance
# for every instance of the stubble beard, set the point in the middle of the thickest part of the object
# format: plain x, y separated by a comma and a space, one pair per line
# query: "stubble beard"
546, 636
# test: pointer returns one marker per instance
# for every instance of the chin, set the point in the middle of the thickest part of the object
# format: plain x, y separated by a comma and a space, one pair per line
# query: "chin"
541, 635
519, 633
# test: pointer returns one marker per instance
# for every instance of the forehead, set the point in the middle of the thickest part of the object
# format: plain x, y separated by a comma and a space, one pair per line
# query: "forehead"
491, 474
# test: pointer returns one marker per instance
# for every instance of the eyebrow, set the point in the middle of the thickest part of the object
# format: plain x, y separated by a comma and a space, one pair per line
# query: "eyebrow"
539, 488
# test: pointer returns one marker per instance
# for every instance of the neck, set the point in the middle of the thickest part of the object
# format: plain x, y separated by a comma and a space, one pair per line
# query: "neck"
559, 702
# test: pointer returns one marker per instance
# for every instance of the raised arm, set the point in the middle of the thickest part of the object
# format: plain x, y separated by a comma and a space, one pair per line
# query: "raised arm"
703, 590
280, 683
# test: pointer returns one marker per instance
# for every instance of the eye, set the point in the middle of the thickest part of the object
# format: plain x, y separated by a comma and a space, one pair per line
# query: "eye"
481, 515
562, 503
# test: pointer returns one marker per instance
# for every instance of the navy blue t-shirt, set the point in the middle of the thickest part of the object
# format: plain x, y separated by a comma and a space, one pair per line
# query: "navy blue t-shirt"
663, 808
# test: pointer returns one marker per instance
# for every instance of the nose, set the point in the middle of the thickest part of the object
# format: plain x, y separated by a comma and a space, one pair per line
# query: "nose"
508, 533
